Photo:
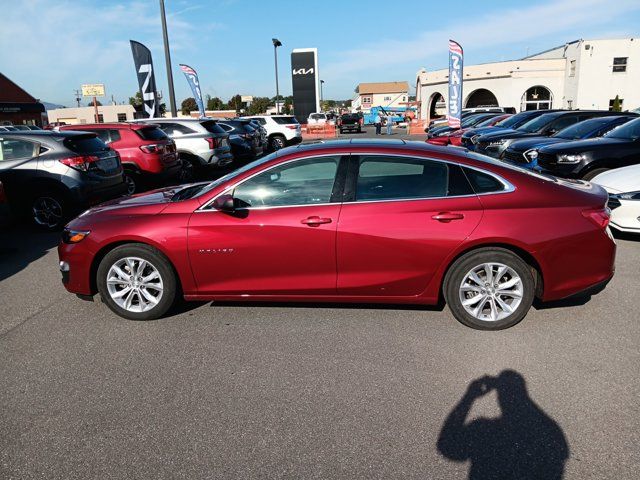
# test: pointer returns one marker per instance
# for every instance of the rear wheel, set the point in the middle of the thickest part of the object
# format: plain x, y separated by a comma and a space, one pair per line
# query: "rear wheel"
136, 282
593, 173
49, 210
187, 171
131, 180
489, 289
276, 142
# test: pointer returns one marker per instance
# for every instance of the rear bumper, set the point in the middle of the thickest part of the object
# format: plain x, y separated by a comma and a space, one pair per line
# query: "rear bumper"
294, 140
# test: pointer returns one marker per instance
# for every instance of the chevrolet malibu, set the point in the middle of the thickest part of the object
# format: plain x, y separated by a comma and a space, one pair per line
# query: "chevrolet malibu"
349, 221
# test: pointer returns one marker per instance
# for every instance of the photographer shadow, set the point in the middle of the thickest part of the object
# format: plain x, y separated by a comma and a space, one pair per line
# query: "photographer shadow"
523, 443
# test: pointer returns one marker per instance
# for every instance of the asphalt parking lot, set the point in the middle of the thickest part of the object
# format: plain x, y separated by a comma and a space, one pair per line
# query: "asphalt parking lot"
255, 391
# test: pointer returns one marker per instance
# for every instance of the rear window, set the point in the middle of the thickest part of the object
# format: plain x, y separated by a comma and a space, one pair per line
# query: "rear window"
483, 182
285, 120
82, 144
212, 126
151, 133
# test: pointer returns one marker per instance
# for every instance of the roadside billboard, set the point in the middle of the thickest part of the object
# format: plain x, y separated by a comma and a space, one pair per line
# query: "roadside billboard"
93, 90
304, 79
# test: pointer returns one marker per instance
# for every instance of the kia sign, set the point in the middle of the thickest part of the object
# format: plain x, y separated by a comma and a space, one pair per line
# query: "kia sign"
454, 103
304, 79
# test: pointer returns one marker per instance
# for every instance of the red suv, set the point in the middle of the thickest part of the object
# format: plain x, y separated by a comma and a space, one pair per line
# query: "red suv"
359, 221
149, 156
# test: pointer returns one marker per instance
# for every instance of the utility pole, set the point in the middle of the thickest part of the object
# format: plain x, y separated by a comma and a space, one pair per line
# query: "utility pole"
276, 43
78, 97
167, 57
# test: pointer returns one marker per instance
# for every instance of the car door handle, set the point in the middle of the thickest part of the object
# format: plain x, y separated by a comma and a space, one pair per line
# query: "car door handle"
447, 216
315, 221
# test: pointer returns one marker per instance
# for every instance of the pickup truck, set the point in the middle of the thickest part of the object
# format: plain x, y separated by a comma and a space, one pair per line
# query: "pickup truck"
350, 121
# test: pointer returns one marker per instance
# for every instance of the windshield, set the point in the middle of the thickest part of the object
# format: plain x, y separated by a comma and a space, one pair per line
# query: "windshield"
628, 131
193, 191
513, 121
471, 121
579, 130
487, 122
537, 123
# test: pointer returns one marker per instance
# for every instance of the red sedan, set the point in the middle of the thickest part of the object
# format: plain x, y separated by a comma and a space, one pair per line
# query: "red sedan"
349, 221
455, 137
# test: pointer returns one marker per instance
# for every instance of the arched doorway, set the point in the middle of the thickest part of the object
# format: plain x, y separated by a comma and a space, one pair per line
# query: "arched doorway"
437, 106
536, 98
481, 98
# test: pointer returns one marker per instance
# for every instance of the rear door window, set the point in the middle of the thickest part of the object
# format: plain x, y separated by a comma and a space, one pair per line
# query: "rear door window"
212, 126
16, 149
483, 182
394, 178
170, 128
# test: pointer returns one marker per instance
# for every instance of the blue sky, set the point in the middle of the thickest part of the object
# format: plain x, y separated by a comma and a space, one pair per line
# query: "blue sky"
52, 47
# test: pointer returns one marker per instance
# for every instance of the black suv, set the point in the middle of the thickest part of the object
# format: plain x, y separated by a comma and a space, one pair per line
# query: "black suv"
587, 158
493, 144
245, 141
49, 176
350, 122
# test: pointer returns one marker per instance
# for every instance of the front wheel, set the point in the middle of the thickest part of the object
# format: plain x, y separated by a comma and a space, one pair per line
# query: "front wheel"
136, 282
277, 142
489, 289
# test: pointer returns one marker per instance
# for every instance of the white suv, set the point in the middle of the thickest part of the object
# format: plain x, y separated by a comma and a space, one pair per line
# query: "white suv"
282, 130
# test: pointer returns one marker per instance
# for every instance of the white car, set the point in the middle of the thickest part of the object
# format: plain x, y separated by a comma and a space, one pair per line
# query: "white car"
282, 130
317, 119
623, 185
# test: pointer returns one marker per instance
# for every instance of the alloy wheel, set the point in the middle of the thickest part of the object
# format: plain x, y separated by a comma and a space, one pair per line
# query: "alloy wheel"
491, 291
131, 184
134, 284
47, 211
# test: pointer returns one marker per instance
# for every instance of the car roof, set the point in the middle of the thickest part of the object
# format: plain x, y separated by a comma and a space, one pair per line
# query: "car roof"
98, 126
175, 119
47, 133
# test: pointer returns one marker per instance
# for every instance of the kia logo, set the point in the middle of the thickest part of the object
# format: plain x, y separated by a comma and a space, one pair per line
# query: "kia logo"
303, 71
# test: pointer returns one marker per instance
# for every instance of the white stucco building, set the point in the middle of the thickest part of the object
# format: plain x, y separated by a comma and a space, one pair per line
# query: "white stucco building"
106, 113
583, 74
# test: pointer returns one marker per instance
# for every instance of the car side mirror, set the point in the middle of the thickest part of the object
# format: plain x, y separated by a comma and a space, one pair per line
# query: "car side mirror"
225, 203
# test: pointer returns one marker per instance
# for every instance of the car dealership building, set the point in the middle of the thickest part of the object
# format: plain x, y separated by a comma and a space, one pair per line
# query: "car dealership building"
583, 74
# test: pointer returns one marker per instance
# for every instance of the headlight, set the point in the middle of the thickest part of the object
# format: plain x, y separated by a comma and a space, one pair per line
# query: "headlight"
572, 158
531, 155
474, 139
630, 195
74, 236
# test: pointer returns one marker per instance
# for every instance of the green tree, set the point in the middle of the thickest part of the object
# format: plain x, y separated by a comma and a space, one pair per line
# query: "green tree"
617, 104
235, 102
188, 105
90, 104
259, 105
215, 103
136, 100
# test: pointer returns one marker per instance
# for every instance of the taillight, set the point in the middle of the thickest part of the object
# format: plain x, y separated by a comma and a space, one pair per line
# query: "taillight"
292, 127
80, 162
154, 148
599, 216
212, 142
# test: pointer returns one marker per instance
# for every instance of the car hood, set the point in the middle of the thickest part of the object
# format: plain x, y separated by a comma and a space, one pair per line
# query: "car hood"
534, 142
508, 133
148, 203
620, 180
483, 130
579, 146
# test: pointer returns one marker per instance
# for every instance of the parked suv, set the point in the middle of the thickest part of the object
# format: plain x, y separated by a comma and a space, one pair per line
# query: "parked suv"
200, 142
282, 130
245, 140
148, 155
50, 176
350, 122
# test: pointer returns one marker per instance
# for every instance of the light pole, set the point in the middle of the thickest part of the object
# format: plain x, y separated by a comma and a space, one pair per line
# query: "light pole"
167, 57
321, 83
276, 43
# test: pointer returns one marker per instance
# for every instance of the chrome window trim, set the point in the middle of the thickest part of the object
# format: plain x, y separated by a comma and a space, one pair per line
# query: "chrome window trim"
508, 187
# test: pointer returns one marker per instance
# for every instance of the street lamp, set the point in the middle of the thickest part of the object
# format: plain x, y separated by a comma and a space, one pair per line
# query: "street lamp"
321, 83
167, 57
276, 43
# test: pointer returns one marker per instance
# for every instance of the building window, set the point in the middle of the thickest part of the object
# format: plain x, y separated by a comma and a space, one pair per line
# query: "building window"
613, 101
122, 117
404, 99
386, 99
366, 99
572, 68
620, 64
100, 118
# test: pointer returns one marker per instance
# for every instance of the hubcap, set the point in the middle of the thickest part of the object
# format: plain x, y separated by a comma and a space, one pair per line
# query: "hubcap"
491, 291
47, 211
134, 284
277, 143
131, 185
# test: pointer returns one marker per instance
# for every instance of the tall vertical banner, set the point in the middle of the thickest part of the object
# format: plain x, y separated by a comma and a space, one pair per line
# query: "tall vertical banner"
146, 78
194, 83
304, 80
454, 105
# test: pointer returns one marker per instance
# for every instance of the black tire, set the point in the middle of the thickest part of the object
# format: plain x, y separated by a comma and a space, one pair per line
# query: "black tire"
593, 173
463, 265
132, 180
276, 142
187, 172
157, 260
49, 210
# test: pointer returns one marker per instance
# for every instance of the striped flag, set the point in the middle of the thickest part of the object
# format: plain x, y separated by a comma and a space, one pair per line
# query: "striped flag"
194, 83
454, 103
